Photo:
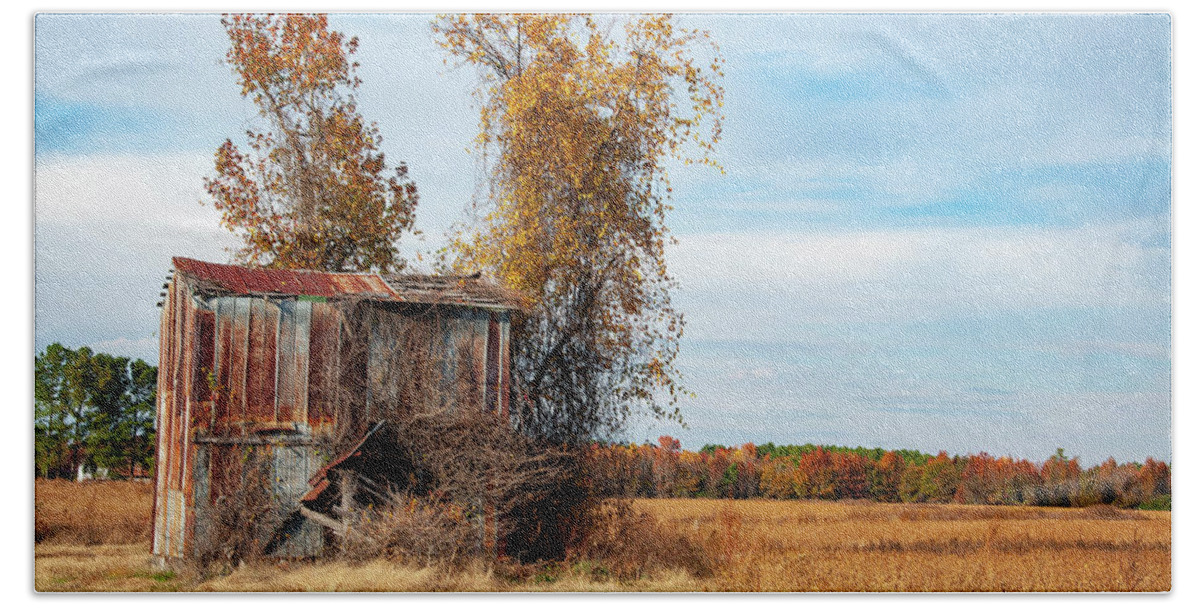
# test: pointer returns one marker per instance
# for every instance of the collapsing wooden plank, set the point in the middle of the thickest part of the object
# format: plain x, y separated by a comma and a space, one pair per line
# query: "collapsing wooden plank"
325, 520
339, 528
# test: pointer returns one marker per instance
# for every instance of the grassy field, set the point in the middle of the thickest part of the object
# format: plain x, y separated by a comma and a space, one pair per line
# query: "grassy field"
92, 513
95, 536
829, 546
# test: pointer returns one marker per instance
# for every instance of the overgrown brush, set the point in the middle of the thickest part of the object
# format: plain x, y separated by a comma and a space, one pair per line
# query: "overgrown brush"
237, 527
470, 483
628, 544
426, 531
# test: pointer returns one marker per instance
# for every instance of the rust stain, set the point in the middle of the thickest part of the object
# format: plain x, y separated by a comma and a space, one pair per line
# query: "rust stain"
260, 367
248, 281
221, 404
288, 380
239, 359
322, 365
205, 345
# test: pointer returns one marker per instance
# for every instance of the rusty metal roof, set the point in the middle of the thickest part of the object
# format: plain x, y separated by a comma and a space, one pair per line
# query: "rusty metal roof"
411, 288
451, 289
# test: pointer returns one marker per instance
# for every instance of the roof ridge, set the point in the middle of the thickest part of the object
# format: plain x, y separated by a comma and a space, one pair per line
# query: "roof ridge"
174, 259
413, 288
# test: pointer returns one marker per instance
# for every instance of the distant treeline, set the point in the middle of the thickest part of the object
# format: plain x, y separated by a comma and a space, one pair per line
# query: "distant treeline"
835, 472
93, 412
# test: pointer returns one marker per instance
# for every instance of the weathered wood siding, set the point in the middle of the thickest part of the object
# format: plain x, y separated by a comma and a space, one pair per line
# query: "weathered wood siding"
261, 376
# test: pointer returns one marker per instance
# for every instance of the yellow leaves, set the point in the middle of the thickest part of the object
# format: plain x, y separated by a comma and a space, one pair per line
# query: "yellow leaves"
577, 125
315, 193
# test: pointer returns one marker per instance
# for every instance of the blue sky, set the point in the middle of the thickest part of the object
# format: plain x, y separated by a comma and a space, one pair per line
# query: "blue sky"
933, 231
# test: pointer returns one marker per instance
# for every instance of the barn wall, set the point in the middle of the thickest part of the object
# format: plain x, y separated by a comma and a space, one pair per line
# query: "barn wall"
173, 487
276, 365
224, 469
408, 346
470, 347
244, 377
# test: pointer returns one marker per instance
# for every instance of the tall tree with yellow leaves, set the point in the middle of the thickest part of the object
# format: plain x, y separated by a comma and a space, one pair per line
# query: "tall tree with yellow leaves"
578, 122
313, 191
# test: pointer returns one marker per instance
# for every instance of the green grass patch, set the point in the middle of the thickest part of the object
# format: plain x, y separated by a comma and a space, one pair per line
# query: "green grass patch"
1158, 503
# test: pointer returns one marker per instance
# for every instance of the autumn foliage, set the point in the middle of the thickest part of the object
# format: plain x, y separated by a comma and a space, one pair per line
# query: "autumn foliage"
832, 473
579, 118
312, 190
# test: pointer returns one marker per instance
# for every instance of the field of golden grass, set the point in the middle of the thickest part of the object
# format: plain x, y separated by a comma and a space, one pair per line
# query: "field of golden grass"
92, 512
766, 545
751, 545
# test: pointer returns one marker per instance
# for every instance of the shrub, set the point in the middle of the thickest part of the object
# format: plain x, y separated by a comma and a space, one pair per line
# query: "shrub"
425, 530
627, 544
1158, 503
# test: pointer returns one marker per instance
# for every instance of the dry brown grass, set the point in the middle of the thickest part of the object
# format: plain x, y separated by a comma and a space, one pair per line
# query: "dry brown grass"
766, 545
99, 568
751, 545
92, 512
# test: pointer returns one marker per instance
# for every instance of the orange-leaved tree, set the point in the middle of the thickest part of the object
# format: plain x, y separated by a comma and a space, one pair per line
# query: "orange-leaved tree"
578, 122
313, 190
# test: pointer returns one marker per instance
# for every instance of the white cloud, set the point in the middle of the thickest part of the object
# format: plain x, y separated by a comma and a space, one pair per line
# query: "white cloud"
757, 373
106, 227
908, 274
133, 192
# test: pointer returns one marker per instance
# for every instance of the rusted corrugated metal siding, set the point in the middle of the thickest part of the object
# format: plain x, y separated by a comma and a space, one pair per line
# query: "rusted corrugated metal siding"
250, 365
173, 479
162, 425
167, 421
404, 340
222, 399
238, 317
293, 466
291, 390
260, 368
479, 333
492, 392
174, 497
468, 347
261, 355
382, 388
275, 363
324, 365
184, 401
505, 365
465, 356
202, 369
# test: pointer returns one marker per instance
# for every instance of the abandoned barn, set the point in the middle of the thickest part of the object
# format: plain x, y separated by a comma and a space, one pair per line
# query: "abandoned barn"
272, 379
